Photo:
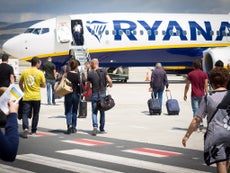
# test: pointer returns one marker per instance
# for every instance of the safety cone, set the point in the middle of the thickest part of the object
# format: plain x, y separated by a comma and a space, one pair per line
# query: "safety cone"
147, 77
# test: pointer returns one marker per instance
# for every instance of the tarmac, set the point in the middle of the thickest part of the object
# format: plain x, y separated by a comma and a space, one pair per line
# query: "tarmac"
130, 119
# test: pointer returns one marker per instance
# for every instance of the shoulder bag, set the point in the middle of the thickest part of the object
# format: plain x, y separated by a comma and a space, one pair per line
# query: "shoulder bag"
105, 103
65, 87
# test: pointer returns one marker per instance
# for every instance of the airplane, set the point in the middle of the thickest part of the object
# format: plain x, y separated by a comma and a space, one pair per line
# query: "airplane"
129, 39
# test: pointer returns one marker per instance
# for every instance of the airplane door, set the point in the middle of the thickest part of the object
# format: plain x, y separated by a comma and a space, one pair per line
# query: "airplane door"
63, 32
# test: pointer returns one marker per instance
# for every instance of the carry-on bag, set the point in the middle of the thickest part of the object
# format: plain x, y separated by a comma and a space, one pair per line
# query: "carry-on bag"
82, 108
172, 105
154, 106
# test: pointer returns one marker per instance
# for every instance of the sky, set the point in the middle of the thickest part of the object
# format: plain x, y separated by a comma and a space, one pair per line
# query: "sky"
27, 10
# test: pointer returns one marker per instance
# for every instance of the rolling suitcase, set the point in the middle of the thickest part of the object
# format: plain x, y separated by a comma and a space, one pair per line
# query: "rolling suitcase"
154, 106
172, 105
82, 108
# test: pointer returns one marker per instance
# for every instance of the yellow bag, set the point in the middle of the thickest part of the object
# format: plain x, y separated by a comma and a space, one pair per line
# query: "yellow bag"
65, 87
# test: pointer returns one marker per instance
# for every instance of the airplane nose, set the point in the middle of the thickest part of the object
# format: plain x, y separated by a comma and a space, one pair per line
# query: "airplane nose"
8, 47
11, 47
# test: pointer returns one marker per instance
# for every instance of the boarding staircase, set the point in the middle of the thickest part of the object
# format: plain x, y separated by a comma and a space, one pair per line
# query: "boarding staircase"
80, 53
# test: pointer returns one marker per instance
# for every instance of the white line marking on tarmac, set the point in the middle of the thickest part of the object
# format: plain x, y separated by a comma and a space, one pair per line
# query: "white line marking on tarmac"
152, 152
10, 169
129, 161
63, 164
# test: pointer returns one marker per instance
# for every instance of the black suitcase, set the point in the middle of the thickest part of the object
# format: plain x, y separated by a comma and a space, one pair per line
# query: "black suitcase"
172, 105
154, 106
82, 108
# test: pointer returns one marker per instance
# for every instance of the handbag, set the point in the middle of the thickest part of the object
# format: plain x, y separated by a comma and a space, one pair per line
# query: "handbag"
105, 103
65, 87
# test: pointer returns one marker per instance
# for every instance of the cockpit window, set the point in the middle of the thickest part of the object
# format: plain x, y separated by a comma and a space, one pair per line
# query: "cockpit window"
45, 30
37, 31
29, 30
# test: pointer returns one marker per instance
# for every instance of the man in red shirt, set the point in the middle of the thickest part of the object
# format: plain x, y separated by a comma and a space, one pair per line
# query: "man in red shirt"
199, 81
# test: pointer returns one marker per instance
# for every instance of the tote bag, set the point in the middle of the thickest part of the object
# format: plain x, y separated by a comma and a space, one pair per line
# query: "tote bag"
65, 87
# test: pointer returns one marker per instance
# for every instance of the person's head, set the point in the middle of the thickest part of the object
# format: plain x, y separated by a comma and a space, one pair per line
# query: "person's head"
196, 64
158, 65
5, 57
73, 64
228, 66
35, 61
219, 77
87, 64
219, 63
94, 63
49, 59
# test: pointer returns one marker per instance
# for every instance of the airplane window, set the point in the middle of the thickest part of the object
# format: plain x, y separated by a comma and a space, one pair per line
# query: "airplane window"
224, 33
120, 32
155, 32
171, 32
37, 31
218, 33
29, 30
198, 32
45, 30
127, 32
141, 32
92, 32
114, 32
163, 32
149, 32
211, 33
184, 33
107, 32
177, 33
134, 32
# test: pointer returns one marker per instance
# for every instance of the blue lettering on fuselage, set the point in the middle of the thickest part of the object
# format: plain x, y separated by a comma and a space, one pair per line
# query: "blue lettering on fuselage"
126, 28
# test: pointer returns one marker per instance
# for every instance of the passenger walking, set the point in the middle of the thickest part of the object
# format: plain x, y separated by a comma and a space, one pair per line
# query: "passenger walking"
72, 99
9, 140
6, 71
158, 82
217, 138
199, 82
31, 81
96, 77
50, 74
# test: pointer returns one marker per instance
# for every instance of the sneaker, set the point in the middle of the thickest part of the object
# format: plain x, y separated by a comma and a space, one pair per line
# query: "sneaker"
94, 133
73, 130
103, 132
69, 130
24, 134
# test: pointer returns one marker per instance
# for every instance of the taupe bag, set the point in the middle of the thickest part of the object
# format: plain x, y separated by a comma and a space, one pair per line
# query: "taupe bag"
65, 87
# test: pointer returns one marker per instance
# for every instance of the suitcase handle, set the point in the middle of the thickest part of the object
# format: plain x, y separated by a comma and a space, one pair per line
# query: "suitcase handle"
168, 91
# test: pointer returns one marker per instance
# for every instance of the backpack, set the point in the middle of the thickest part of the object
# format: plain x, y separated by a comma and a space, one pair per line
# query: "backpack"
102, 78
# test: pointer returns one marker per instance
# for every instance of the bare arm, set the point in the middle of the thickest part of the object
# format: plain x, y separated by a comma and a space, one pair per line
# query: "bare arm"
192, 127
11, 78
186, 89
206, 86
43, 85
21, 85
109, 80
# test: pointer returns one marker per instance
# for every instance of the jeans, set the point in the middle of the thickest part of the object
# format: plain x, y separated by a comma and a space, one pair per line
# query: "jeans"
158, 93
195, 101
71, 108
94, 98
50, 86
26, 111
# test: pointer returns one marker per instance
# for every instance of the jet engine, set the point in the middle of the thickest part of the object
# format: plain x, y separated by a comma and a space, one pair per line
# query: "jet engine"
211, 55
